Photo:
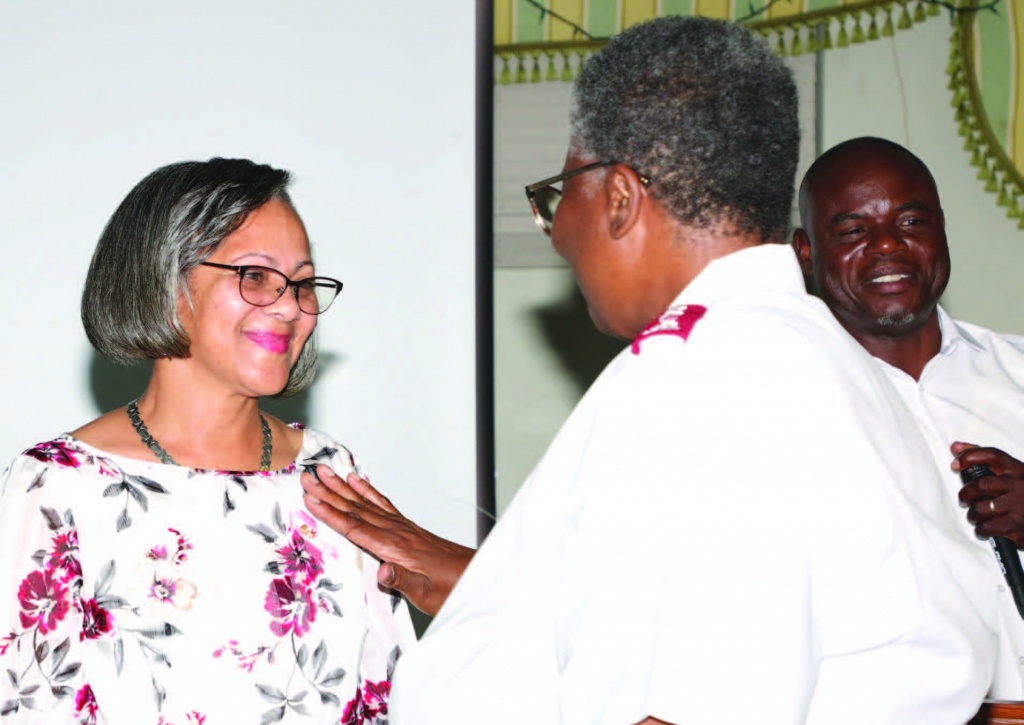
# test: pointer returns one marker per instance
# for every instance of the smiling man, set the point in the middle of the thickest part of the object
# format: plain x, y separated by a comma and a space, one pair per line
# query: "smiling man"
874, 239
874, 242
739, 513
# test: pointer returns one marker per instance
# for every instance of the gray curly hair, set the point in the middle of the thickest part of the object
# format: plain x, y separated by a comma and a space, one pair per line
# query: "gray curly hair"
706, 110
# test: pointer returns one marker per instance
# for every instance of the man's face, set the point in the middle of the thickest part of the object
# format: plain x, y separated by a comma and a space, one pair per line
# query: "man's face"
875, 242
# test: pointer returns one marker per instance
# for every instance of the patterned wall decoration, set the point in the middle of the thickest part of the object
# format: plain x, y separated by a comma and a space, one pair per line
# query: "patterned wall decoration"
986, 54
548, 40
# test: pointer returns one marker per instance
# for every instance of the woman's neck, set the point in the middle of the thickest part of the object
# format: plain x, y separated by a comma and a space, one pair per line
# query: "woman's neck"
197, 422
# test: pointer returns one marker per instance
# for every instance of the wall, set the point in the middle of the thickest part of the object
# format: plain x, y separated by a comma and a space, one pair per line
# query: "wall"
895, 88
96, 95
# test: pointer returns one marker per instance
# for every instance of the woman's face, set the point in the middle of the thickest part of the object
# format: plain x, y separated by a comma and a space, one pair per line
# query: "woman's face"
249, 349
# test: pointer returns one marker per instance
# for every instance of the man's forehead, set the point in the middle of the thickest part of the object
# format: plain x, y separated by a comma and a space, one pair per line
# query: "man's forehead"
871, 175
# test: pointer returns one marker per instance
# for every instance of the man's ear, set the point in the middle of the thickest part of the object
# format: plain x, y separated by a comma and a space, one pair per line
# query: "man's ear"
802, 247
626, 195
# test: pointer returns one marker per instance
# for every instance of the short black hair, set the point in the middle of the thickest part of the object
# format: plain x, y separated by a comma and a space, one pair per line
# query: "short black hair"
706, 110
822, 164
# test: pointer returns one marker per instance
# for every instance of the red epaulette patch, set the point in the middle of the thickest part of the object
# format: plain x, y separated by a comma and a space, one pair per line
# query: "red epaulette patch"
677, 321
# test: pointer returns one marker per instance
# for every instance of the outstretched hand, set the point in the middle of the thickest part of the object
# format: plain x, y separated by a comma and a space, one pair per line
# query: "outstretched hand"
422, 566
995, 503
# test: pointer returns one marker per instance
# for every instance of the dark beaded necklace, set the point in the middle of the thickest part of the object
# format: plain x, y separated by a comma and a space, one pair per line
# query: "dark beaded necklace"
159, 452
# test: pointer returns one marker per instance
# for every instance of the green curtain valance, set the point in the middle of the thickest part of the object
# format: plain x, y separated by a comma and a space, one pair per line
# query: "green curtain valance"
985, 65
549, 44
984, 69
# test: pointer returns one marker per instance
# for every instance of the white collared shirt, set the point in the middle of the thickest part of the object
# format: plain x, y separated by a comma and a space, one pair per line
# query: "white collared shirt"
747, 517
973, 391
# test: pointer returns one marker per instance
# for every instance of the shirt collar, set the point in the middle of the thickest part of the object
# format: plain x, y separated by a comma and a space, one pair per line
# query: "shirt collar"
767, 267
953, 334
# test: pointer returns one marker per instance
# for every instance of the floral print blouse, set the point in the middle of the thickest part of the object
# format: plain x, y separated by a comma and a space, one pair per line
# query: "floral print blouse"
143, 593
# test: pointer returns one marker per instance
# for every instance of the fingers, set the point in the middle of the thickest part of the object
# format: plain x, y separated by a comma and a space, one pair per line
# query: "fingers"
324, 498
959, 447
986, 487
417, 588
362, 521
328, 488
995, 526
333, 501
995, 517
352, 493
1000, 525
988, 516
362, 487
983, 510
379, 540
1001, 463
330, 482
995, 503
344, 522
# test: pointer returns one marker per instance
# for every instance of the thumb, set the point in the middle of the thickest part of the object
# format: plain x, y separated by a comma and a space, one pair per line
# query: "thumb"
417, 588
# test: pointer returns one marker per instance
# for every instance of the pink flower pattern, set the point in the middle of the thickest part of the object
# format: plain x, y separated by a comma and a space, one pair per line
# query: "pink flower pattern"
375, 695
292, 600
355, 710
52, 605
6, 642
160, 552
86, 706
57, 451
96, 621
246, 660
302, 560
163, 589
290, 603
369, 705
65, 555
44, 601
193, 718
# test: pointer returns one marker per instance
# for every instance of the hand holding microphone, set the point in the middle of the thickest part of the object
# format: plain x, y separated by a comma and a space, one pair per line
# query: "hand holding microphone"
1005, 550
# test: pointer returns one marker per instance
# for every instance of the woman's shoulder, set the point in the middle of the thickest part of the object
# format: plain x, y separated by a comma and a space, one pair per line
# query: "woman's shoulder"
68, 450
318, 447
61, 455
62, 451
112, 433
301, 443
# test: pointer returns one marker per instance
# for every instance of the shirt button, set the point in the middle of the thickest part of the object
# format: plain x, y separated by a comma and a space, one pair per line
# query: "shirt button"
1002, 588
1022, 660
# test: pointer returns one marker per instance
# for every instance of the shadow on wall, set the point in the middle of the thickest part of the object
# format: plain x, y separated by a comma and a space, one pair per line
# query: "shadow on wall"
291, 410
114, 386
296, 409
582, 351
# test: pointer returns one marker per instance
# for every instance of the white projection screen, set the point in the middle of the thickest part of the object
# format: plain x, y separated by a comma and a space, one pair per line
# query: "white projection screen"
371, 105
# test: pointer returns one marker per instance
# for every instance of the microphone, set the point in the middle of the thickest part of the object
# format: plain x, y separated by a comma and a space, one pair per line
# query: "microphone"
1006, 550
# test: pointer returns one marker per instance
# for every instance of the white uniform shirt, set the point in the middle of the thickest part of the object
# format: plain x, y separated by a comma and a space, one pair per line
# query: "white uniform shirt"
973, 391
747, 518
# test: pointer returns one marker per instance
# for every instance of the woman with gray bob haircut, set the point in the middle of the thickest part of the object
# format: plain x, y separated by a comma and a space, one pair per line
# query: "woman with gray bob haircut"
159, 565
168, 224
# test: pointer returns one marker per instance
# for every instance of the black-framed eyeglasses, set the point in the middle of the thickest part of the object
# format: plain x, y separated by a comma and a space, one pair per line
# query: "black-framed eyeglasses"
263, 286
544, 197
